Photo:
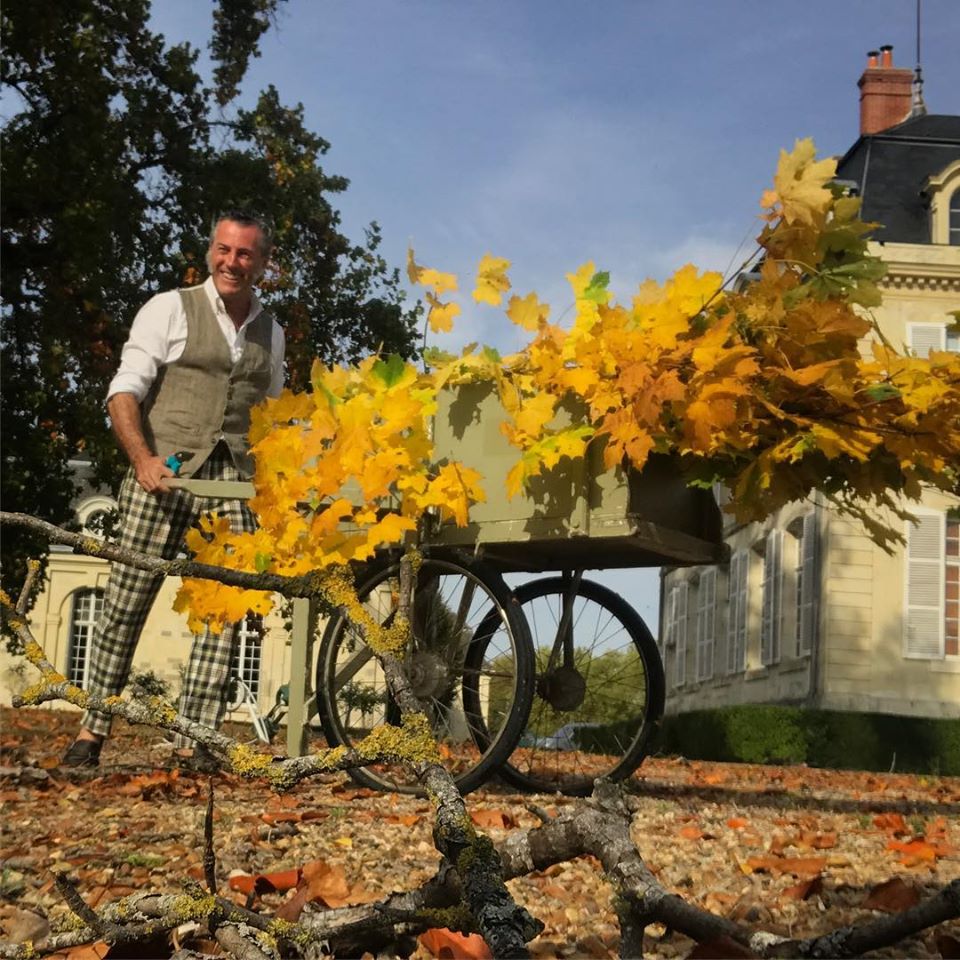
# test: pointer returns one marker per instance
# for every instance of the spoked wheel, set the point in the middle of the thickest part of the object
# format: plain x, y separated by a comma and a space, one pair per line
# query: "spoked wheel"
599, 690
467, 633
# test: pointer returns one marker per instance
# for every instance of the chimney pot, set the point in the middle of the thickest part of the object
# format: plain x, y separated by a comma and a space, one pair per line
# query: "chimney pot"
886, 56
872, 57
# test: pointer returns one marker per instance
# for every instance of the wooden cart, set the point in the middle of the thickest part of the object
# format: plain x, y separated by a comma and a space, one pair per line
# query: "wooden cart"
577, 516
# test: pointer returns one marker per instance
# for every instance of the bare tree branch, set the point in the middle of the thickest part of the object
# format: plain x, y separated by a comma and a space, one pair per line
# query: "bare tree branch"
506, 926
238, 943
302, 586
209, 854
33, 568
853, 941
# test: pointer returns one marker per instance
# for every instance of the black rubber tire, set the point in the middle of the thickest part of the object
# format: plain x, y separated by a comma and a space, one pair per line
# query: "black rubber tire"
603, 622
457, 584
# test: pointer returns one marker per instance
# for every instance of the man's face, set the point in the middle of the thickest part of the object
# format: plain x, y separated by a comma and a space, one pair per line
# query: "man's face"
235, 259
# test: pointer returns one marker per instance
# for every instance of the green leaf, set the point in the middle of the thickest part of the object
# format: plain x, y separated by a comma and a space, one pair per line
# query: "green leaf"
435, 357
882, 391
597, 287
262, 562
389, 371
492, 354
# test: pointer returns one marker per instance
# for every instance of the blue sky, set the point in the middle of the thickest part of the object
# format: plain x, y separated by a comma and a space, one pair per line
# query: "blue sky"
637, 134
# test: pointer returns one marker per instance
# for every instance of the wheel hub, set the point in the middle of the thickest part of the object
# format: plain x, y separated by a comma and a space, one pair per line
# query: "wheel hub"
429, 675
563, 688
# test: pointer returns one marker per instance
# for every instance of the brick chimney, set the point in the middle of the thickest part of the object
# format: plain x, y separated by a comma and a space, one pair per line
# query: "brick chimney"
886, 92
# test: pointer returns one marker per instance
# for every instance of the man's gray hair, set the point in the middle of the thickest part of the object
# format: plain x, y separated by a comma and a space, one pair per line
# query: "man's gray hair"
247, 219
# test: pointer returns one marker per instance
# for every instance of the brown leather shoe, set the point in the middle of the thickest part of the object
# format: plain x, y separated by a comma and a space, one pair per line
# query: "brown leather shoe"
82, 753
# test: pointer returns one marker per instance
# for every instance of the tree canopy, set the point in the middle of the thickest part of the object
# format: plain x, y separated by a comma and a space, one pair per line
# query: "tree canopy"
117, 155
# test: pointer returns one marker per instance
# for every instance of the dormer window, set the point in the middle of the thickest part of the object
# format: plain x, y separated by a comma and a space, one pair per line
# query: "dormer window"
943, 191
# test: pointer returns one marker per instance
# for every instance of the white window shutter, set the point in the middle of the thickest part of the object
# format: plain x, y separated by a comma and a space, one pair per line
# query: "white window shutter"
807, 582
706, 623
923, 622
668, 629
737, 611
770, 621
732, 613
680, 634
925, 337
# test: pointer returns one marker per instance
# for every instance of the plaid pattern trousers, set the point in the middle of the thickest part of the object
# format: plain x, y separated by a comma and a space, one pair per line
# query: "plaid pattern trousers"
156, 526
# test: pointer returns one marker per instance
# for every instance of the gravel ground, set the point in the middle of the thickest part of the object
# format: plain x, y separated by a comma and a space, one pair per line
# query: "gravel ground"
793, 850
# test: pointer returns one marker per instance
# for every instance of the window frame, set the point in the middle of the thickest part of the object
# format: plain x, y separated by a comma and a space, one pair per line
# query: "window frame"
246, 659
80, 675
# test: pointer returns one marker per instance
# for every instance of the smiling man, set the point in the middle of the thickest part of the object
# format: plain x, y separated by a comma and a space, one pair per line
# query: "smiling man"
196, 362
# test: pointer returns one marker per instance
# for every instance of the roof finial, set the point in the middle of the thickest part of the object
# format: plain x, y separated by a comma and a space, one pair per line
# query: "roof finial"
918, 108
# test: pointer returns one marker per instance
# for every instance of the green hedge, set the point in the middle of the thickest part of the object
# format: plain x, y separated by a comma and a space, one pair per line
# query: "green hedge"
821, 738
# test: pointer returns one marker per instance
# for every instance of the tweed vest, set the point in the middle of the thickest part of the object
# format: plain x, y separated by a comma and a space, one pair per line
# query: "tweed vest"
203, 396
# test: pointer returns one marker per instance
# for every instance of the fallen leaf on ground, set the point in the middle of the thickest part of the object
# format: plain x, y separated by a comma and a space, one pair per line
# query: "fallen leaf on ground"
445, 944
893, 896
892, 823
492, 819
264, 882
914, 851
319, 883
799, 866
804, 889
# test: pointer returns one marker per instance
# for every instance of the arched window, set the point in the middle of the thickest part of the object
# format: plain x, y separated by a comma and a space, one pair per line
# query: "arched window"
97, 515
85, 611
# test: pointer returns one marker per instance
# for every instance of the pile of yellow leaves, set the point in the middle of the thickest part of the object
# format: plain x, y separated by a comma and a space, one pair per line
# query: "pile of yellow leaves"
764, 389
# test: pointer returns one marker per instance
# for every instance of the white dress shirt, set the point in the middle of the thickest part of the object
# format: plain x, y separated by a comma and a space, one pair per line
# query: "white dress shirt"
159, 336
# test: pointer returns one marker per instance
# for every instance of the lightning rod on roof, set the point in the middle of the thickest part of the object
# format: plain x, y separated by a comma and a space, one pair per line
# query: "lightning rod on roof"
918, 108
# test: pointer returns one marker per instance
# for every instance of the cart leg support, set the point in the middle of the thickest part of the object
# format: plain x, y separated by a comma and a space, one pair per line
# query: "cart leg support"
301, 649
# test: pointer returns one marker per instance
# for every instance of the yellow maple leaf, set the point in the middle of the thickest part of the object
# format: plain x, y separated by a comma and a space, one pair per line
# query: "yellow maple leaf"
835, 441
441, 315
527, 312
492, 280
535, 413
428, 277
800, 184
390, 529
578, 379
580, 279
289, 406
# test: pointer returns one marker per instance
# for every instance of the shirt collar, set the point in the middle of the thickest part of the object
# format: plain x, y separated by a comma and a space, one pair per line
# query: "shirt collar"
216, 301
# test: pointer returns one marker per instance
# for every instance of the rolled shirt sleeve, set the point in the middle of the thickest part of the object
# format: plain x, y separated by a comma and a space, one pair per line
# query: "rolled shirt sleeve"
156, 339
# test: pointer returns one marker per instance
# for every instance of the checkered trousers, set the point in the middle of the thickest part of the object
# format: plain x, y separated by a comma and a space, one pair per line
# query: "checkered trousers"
156, 526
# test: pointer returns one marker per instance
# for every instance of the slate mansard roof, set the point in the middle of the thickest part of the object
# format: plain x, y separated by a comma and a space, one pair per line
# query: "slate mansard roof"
891, 168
